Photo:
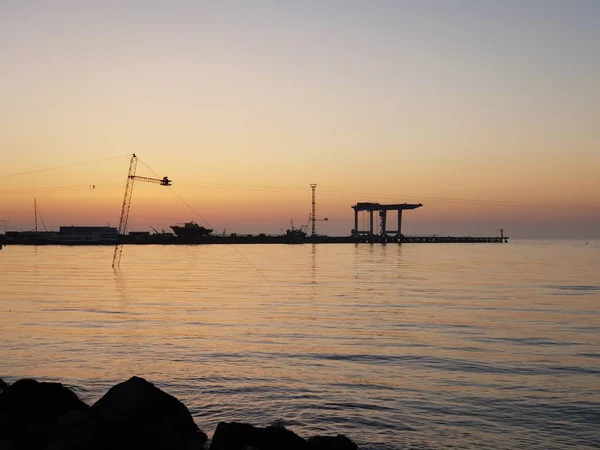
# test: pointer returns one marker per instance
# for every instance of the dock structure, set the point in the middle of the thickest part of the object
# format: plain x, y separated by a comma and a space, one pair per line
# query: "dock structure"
384, 233
455, 239
110, 236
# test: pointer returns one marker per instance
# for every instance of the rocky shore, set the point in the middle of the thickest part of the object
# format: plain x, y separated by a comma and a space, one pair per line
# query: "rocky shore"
133, 414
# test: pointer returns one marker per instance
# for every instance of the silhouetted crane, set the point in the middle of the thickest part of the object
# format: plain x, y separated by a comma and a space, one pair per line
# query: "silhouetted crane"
123, 222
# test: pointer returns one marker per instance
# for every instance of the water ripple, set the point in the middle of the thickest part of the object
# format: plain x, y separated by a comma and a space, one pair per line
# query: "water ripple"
398, 347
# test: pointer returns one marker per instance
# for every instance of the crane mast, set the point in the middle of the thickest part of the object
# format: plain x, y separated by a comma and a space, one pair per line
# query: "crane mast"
124, 220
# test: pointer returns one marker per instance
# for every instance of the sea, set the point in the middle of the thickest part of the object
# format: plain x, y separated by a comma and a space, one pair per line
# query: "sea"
414, 346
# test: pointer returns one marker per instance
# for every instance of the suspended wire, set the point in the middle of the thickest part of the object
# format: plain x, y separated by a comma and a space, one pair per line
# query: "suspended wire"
281, 189
78, 187
177, 195
502, 202
321, 193
62, 167
191, 208
421, 197
149, 168
243, 186
248, 261
204, 220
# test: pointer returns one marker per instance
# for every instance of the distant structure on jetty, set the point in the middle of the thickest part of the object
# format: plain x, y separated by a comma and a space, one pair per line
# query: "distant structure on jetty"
67, 235
192, 233
385, 235
380, 234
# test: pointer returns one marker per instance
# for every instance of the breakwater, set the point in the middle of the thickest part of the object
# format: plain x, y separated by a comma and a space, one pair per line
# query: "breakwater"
133, 414
149, 239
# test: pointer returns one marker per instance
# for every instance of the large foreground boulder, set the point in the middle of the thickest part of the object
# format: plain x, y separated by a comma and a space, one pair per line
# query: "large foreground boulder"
241, 436
339, 442
132, 415
137, 414
29, 409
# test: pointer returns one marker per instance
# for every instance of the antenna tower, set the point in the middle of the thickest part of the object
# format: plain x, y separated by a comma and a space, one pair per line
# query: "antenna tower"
313, 217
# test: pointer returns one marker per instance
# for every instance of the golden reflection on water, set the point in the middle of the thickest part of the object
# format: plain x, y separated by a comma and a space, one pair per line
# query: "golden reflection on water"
365, 340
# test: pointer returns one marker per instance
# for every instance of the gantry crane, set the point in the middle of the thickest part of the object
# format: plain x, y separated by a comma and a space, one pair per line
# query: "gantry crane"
123, 221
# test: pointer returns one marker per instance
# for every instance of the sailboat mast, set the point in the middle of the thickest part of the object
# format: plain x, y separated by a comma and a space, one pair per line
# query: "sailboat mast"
35, 213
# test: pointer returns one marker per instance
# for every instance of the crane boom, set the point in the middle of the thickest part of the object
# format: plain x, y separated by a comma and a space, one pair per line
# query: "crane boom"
164, 181
124, 220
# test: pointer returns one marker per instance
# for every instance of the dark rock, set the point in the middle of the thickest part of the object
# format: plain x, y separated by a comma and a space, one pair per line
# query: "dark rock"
28, 401
132, 415
240, 436
4, 422
31, 410
233, 436
278, 437
73, 431
4, 430
339, 442
137, 414
5, 444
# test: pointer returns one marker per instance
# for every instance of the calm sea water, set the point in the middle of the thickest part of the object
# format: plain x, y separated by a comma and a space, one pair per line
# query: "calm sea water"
415, 346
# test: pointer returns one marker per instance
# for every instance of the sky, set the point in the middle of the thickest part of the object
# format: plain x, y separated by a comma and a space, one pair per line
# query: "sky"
486, 112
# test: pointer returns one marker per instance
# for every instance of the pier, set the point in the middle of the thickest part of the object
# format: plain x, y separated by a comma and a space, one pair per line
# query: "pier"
373, 235
191, 233
145, 238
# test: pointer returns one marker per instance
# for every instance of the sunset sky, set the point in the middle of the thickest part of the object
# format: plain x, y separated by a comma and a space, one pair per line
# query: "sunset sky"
487, 112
